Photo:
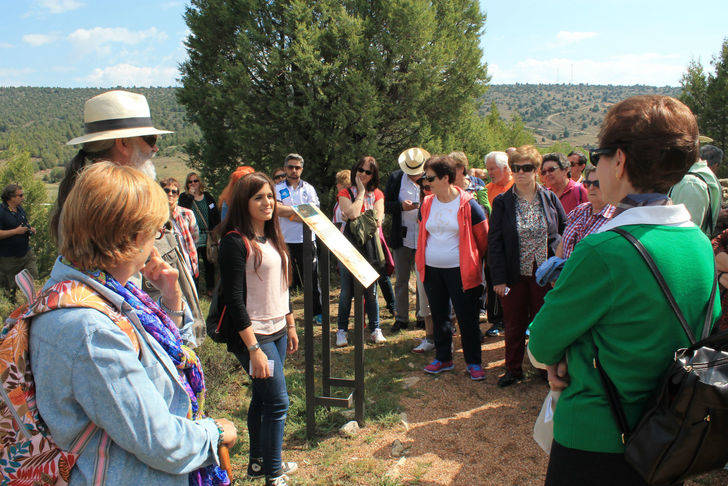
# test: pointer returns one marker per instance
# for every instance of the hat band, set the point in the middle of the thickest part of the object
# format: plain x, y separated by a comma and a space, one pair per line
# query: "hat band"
117, 124
413, 167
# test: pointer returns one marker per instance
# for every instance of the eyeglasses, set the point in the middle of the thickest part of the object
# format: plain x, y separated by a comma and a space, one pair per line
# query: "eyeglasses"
524, 167
364, 171
20, 195
578, 163
150, 140
591, 183
596, 154
160, 234
294, 167
194, 181
550, 170
169, 190
279, 176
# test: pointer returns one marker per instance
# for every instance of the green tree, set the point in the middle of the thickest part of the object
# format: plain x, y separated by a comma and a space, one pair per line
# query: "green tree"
707, 96
18, 169
331, 80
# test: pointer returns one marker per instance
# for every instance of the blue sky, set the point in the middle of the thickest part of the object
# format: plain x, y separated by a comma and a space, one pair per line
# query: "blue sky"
75, 43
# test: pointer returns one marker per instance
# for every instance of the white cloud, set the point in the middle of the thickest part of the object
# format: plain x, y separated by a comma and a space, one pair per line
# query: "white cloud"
645, 68
130, 75
6, 45
38, 39
172, 4
566, 37
59, 6
98, 38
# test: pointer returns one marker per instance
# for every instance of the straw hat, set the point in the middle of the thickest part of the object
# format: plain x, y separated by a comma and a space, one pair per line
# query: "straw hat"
116, 114
412, 160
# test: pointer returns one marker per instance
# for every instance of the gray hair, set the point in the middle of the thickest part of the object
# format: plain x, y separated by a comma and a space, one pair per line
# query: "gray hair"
711, 154
500, 159
588, 169
293, 157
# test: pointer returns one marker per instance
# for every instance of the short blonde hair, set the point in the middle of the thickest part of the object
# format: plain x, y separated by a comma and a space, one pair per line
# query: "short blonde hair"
526, 153
343, 177
108, 207
461, 160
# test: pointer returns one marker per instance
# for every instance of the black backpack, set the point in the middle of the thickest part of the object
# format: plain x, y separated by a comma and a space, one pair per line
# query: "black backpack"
685, 429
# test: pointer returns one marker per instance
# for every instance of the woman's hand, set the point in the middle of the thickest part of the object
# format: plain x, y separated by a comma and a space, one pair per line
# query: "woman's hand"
229, 432
292, 340
164, 277
259, 364
723, 280
359, 184
500, 289
558, 375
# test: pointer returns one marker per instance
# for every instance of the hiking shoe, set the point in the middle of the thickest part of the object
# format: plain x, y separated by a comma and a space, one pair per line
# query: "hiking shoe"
255, 468
281, 480
377, 337
438, 367
509, 378
424, 346
317, 319
398, 326
476, 372
495, 330
341, 338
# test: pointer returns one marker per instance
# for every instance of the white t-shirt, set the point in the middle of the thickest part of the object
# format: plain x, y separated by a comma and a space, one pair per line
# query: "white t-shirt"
304, 193
443, 242
267, 298
409, 191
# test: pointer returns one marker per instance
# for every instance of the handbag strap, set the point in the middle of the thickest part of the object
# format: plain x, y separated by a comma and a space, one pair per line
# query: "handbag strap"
199, 213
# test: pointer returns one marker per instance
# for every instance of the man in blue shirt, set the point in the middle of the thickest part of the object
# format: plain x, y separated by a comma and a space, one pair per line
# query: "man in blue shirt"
15, 232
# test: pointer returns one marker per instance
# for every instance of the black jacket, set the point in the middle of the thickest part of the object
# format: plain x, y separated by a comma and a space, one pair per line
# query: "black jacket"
503, 247
186, 200
393, 207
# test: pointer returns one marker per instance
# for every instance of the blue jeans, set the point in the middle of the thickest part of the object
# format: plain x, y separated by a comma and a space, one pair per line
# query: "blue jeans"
268, 408
347, 294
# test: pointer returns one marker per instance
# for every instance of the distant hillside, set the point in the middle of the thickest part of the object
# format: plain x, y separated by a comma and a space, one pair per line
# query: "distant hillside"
563, 112
42, 120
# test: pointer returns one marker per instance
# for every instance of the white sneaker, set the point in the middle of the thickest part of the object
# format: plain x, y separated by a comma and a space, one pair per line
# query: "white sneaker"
377, 337
424, 346
341, 338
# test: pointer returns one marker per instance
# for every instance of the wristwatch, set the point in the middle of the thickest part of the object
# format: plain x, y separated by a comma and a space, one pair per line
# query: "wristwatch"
253, 347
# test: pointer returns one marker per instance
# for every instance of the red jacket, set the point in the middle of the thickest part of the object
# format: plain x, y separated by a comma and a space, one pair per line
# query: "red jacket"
473, 236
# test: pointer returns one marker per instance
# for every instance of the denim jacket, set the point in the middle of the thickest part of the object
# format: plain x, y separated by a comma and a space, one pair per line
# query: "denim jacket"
86, 369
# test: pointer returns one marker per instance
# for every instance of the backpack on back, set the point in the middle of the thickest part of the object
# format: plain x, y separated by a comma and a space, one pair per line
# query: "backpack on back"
29, 456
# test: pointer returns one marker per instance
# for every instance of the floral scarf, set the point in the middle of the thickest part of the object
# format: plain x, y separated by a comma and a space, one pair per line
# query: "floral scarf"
156, 322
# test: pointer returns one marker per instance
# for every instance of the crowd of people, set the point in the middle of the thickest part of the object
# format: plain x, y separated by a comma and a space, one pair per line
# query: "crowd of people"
523, 242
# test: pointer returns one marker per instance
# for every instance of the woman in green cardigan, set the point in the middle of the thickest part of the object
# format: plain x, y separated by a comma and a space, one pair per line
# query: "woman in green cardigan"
647, 144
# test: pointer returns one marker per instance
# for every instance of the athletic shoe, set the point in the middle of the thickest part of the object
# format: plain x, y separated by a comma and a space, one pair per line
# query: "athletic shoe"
341, 338
398, 326
377, 337
255, 468
424, 346
509, 378
281, 480
317, 319
476, 372
438, 367
495, 330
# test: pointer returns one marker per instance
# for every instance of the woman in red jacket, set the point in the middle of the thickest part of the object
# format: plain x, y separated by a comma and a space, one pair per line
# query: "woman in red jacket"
451, 243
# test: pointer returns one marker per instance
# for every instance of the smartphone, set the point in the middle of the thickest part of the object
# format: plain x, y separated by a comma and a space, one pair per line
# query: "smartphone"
271, 367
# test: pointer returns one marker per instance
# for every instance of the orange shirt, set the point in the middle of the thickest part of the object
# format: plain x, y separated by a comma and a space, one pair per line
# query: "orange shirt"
495, 189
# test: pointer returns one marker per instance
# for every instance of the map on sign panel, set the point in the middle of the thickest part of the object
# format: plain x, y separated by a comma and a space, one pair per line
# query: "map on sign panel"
337, 243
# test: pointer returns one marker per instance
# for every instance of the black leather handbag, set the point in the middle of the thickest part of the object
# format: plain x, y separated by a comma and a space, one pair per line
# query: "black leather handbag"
685, 429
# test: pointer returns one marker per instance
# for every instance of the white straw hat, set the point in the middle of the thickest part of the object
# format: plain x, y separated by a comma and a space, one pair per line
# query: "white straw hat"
116, 114
412, 160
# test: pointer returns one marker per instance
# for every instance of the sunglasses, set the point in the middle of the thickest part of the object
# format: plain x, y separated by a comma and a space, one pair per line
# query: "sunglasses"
150, 140
279, 176
578, 163
364, 171
429, 178
550, 170
169, 190
591, 183
596, 154
194, 181
525, 168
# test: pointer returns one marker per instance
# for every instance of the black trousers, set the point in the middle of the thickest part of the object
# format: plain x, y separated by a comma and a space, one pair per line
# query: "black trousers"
569, 467
492, 305
296, 252
209, 269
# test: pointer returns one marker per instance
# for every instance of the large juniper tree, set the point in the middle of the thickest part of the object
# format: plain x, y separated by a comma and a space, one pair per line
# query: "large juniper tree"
329, 79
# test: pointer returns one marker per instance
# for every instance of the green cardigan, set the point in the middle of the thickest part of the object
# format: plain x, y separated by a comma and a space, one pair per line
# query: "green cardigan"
607, 295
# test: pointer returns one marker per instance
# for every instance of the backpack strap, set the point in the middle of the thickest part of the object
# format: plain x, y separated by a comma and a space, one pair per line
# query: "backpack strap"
707, 218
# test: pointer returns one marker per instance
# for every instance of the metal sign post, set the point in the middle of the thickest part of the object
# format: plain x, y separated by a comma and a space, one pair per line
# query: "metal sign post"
365, 275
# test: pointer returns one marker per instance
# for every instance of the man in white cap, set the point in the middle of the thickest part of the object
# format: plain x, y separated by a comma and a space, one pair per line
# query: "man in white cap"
401, 201
118, 128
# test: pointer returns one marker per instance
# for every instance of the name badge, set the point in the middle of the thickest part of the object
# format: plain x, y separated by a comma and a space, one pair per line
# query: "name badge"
284, 193
212, 206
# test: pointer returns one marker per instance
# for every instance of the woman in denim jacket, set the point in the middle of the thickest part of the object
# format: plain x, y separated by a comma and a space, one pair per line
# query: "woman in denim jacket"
134, 379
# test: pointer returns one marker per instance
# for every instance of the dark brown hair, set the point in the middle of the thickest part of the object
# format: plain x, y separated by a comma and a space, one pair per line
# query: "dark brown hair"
442, 165
659, 136
374, 181
238, 219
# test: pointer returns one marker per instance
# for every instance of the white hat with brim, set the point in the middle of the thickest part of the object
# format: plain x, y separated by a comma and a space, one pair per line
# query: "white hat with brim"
412, 160
116, 114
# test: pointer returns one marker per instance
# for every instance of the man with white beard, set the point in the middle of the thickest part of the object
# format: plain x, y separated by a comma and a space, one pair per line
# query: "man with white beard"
118, 128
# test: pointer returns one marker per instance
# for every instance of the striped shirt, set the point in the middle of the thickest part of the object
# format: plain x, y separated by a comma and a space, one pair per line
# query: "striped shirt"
582, 222
185, 222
